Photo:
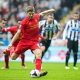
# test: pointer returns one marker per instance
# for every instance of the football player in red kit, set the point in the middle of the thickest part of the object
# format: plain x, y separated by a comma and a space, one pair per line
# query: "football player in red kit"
12, 30
29, 31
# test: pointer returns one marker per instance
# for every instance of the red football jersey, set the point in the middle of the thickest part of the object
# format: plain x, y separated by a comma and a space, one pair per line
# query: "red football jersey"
12, 30
30, 28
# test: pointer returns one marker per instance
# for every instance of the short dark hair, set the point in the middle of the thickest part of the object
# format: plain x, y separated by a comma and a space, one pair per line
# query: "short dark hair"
30, 8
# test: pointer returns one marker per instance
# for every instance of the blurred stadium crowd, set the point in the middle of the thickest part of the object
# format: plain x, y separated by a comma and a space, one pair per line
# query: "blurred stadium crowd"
14, 10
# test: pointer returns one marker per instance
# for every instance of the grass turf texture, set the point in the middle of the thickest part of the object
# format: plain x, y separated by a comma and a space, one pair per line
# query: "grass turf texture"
56, 71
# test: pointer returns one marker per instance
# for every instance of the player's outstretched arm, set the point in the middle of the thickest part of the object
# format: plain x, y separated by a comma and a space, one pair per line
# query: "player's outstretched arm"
59, 33
46, 12
62, 29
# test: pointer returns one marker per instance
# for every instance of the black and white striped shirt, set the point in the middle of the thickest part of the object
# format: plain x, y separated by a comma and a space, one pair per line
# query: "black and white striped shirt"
72, 30
47, 30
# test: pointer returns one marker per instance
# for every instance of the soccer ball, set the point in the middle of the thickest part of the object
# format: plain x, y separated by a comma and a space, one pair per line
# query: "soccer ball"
35, 73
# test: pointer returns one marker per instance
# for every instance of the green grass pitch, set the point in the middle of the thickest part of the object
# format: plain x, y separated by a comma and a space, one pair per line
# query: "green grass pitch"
56, 71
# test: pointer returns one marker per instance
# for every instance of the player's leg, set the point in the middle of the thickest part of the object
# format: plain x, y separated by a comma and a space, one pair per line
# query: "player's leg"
14, 56
42, 48
22, 59
75, 61
46, 44
67, 58
7, 53
21, 48
69, 46
6, 59
75, 51
38, 62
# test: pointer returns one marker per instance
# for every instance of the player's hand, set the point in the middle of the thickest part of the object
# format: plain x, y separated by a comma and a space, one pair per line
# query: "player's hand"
42, 38
54, 38
45, 38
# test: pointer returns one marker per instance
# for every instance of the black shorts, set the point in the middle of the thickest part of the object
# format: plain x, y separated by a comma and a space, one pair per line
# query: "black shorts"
42, 42
72, 45
45, 43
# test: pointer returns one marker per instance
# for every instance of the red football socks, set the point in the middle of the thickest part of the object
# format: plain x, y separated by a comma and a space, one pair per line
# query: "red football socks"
38, 64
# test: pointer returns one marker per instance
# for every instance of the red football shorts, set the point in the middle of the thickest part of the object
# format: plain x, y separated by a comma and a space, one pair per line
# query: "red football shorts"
24, 45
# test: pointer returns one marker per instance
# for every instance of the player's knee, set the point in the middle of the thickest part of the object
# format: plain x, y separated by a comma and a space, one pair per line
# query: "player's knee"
42, 48
75, 54
38, 53
14, 56
68, 53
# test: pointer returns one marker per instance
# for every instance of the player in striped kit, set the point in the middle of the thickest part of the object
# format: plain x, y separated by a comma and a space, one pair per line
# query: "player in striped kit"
48, 28
72, 30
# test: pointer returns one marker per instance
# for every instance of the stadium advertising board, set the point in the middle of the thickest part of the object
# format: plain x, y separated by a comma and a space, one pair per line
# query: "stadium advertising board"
55, 53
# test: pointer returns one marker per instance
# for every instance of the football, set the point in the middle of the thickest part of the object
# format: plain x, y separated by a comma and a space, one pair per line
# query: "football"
35, 73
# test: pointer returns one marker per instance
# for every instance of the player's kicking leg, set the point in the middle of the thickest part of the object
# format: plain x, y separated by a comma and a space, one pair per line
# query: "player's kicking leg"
38, 62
